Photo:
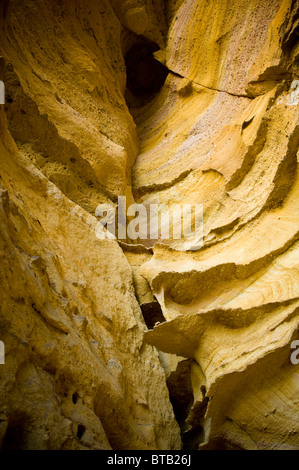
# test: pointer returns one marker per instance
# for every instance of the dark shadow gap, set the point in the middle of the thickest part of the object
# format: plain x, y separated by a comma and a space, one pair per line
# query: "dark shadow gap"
152, 314
145, 75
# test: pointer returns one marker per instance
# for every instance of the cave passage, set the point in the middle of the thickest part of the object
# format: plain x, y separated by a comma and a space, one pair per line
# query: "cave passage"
145, 75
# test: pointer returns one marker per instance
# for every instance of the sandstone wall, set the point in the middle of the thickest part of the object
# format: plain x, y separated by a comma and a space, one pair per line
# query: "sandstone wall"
84, 368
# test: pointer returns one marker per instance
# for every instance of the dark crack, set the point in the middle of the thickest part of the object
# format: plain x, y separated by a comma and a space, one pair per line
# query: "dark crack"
211, 88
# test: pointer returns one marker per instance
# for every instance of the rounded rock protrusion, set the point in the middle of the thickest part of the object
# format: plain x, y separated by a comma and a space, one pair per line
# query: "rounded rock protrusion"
136, 20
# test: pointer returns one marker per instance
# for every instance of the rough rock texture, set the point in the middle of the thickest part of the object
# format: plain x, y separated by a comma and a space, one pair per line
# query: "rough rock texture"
78, 373
85, 366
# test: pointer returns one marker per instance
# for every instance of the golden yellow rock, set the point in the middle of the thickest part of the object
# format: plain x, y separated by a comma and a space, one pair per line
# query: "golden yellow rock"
137, 20
149, 344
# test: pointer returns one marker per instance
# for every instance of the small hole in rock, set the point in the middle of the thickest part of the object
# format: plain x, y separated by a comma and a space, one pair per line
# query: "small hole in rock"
75, 397
81, 430
152, 314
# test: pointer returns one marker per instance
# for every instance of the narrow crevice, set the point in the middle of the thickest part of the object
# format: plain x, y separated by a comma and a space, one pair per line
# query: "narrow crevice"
181, 393
189, 415
195, 435
145, 74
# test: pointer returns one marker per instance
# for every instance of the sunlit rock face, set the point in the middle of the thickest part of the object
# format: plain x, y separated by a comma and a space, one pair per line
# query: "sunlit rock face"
118, 344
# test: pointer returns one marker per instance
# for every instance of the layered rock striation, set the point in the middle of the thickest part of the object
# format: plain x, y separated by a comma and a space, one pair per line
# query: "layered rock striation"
150, 344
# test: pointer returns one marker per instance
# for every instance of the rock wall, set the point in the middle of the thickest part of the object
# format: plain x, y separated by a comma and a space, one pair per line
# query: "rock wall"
174, 102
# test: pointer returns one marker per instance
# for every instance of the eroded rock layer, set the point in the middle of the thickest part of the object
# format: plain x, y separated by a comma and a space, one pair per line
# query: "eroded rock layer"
174, 102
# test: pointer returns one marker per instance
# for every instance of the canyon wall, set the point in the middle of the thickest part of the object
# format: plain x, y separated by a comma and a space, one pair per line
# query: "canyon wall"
118, 344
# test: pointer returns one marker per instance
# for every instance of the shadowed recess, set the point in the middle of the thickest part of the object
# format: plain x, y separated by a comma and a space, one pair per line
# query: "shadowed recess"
145, 75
